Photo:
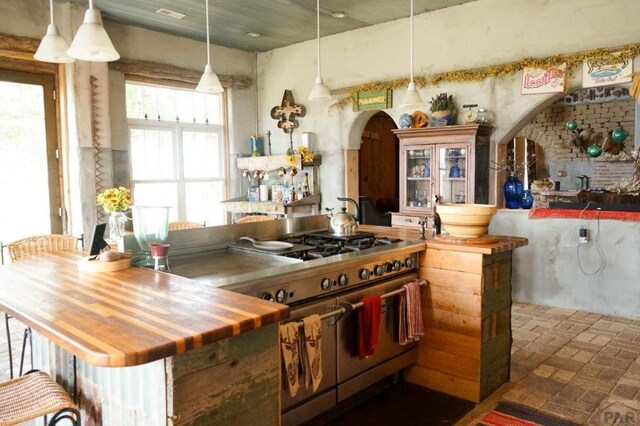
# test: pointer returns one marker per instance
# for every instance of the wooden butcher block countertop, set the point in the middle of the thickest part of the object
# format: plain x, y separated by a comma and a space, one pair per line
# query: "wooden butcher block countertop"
499, 243
128, 317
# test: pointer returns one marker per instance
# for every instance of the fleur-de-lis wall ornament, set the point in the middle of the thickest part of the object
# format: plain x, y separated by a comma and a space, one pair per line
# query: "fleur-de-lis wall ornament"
286, 114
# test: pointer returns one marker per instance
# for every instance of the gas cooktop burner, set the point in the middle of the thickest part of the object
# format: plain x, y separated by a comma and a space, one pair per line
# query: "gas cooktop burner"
327, 244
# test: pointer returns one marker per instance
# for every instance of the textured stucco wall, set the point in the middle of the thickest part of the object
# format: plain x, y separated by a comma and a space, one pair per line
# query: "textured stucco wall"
471, 35
547, 272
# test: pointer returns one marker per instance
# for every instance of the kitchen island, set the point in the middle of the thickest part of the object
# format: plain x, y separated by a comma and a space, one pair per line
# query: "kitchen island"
140, 347
466, 308
144, 347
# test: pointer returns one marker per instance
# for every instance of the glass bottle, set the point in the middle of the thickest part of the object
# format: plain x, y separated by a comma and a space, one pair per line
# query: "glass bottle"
299, 192
306, 186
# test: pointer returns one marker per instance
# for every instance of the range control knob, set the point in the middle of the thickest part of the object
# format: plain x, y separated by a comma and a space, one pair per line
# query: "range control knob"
343, 279
378, 270
281, 295
267, 297
365, 274
410, 262
325, 284
388, 266
397, 265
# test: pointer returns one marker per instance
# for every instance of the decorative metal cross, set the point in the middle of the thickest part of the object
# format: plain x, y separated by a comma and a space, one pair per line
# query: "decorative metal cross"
287, 112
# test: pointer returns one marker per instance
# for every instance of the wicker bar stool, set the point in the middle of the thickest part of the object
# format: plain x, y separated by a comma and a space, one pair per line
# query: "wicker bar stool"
179, 226
26, 248
254, 218
35, 395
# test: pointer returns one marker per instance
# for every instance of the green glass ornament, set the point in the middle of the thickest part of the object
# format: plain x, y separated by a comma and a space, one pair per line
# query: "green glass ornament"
594, 151
619, 134
571, 125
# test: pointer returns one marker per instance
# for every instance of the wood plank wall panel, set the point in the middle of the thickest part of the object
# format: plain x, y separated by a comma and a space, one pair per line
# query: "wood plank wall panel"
235, 381
466, 313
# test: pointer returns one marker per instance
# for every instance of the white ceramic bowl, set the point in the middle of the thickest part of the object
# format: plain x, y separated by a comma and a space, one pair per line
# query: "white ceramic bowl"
466, 220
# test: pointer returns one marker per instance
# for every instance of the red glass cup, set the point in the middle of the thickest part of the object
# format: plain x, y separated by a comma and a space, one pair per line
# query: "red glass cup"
159, 250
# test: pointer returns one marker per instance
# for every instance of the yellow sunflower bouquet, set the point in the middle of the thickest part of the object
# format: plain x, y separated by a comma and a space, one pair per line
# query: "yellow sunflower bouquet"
115, 199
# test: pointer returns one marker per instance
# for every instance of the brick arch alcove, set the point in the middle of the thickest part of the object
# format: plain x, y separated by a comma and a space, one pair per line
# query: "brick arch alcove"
598, 108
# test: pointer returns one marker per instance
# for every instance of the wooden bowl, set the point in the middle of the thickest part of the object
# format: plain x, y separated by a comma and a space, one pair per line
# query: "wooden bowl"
466, 220
96, 265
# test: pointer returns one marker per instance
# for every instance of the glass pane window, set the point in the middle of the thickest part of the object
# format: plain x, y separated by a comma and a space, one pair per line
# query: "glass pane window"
200, 196
200, 155
176, 162
151, 154
168, 104
157, 194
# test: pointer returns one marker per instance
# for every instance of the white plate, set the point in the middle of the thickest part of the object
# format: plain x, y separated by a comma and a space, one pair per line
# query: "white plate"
272, 245
268, 245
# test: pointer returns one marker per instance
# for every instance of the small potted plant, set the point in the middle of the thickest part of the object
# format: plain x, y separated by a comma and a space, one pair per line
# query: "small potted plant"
443, 107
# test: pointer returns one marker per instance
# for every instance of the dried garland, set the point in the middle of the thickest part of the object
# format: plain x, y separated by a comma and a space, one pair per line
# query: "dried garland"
573, 60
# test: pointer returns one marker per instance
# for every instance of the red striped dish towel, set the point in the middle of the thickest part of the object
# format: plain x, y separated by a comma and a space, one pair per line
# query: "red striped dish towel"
369, 325
410, 325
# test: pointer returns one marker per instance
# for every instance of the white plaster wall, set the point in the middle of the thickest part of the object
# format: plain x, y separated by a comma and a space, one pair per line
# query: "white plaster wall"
547, 272
466, 36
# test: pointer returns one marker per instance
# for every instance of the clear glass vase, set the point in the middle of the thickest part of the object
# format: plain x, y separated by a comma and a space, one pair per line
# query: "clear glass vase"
117, 221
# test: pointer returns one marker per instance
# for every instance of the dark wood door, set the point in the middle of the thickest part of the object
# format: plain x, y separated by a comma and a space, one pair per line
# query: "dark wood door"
378, 163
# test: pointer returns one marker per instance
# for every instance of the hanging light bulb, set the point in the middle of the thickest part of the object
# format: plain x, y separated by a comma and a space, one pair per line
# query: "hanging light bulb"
92, 42
319, 91
412, 98
209, 82
53, 48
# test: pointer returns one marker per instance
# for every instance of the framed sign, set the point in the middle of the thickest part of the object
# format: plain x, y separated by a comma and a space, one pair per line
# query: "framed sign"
600, 73
373, 99
97, 242
551, 80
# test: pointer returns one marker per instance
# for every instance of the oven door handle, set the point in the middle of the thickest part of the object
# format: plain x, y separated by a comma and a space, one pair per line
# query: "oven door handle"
345, 308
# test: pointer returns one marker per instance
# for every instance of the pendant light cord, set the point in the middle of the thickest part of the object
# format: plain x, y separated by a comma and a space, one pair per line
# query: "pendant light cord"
208, 48
411, 55
318, 31
90, 4
51, 11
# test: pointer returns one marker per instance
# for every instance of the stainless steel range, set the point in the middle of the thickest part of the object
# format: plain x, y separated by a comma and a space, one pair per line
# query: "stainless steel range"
319, 274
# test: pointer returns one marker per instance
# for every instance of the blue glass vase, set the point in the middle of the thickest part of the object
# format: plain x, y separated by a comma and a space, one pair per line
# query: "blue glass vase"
527, 199
455, 171
513, 192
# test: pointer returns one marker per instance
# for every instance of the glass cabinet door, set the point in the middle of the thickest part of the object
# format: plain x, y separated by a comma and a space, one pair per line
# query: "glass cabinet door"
452, 175
418, 190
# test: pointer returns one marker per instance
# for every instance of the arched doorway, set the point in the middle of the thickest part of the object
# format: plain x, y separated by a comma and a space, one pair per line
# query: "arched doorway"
378, 163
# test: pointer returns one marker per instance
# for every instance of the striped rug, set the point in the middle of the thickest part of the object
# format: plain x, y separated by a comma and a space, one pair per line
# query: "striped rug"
509, 414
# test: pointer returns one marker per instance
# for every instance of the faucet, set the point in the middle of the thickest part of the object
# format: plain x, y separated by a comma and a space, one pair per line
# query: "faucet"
437, 224
584, 182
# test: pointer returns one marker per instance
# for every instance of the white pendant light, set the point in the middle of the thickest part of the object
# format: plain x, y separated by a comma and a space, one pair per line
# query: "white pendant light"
209, 82
92, 43
319, 91
412, 98
53, 48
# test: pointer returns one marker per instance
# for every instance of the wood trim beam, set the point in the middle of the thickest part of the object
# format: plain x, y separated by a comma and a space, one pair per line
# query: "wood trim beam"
169, 74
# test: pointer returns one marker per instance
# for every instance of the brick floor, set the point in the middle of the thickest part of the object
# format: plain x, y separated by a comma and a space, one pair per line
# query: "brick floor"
580, 366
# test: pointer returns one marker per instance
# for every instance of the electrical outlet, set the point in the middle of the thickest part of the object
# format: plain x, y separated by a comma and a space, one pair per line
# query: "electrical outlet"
583, 237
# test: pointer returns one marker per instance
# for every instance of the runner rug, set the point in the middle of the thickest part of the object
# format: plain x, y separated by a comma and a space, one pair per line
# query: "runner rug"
509, 414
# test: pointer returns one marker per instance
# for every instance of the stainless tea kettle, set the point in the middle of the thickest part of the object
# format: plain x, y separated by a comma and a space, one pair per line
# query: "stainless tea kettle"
343, 223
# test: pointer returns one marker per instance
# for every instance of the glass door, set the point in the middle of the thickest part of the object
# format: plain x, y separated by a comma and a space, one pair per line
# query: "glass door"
452, 174
29, 175
418, 166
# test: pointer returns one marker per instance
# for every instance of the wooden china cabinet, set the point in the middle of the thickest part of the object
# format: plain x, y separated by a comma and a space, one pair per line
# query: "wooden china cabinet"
450, 161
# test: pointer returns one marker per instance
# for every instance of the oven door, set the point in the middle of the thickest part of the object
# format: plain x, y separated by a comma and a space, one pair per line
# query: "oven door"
354, 374
307, 403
